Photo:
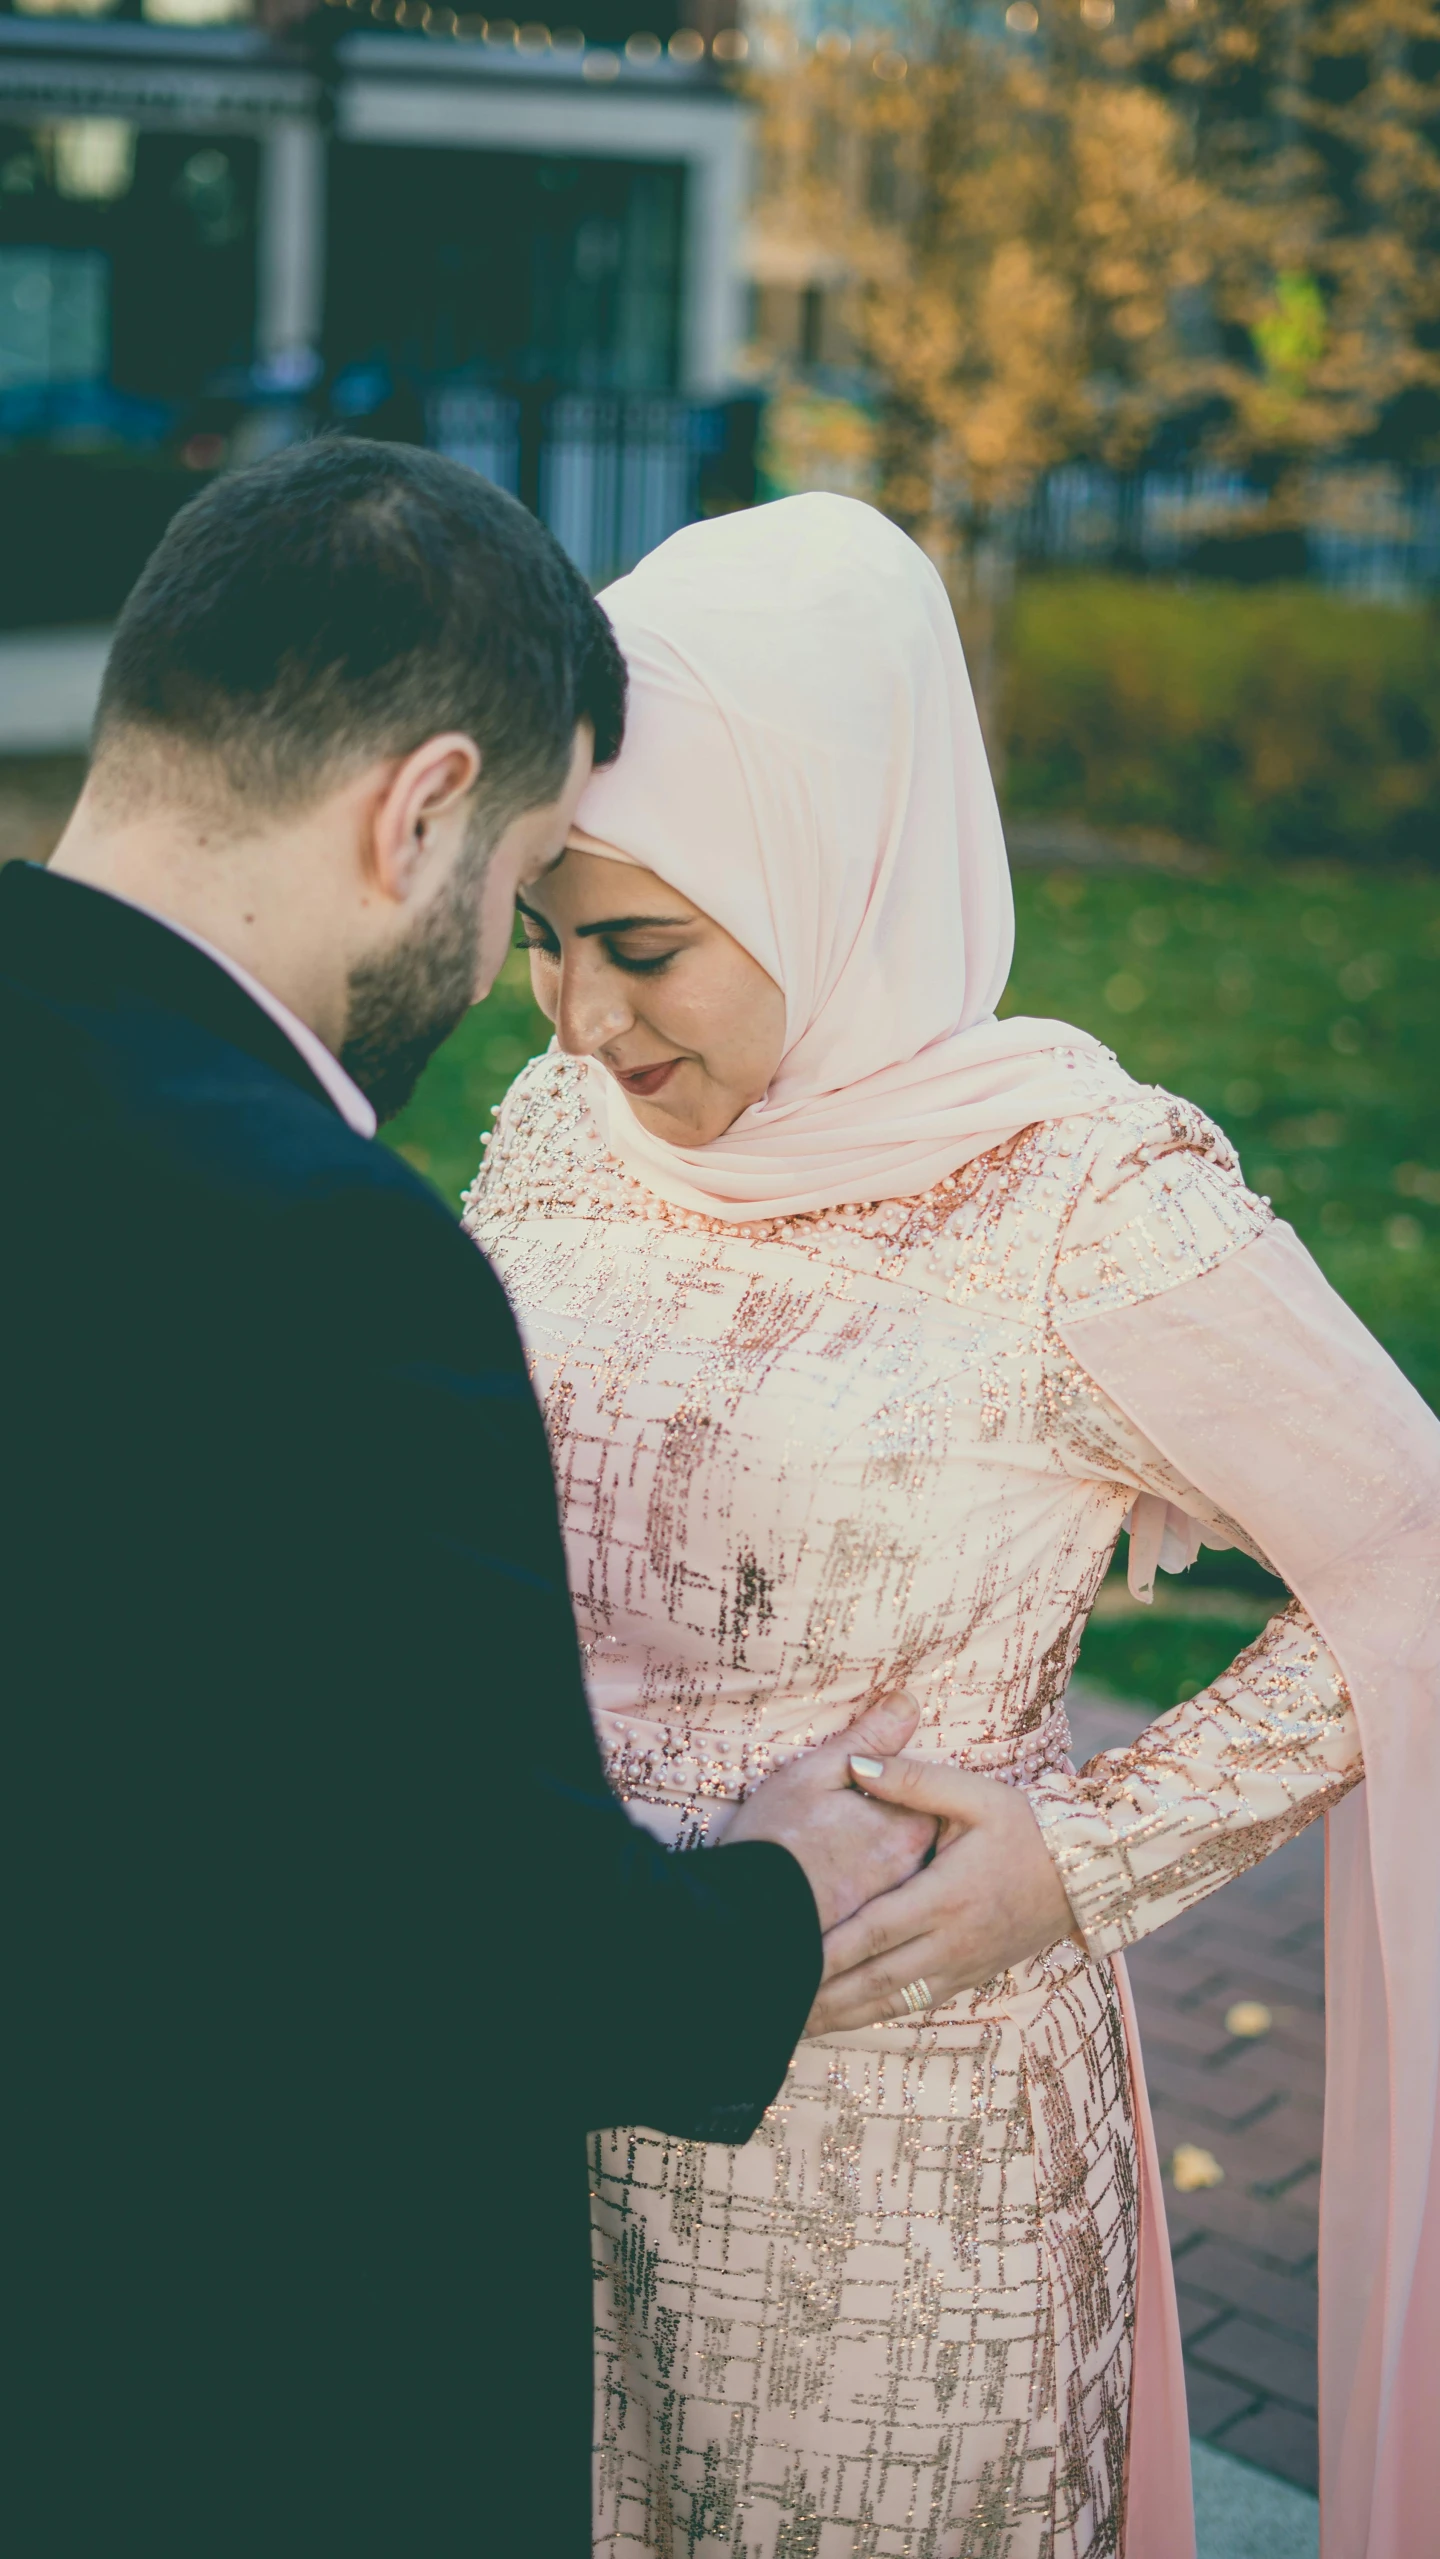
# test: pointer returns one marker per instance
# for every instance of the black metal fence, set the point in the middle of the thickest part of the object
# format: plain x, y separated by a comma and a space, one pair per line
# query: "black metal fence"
611, 475
1368, 529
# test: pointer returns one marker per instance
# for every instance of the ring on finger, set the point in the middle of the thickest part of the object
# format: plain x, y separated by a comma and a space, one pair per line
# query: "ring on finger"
916, 1995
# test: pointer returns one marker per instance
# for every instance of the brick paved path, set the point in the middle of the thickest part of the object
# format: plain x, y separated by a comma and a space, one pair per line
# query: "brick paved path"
1245, 2250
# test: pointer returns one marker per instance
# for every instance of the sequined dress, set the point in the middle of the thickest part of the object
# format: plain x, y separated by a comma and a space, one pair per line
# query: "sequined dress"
800, 1463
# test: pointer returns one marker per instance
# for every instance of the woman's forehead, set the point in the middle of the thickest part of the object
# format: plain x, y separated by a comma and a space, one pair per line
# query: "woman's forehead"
586, 885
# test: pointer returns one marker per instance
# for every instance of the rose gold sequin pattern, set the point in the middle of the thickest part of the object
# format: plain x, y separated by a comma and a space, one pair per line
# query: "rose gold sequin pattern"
895, 2322
802, 1462
1145, 1832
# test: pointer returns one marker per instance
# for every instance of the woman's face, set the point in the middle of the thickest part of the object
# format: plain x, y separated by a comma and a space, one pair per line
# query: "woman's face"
631, 973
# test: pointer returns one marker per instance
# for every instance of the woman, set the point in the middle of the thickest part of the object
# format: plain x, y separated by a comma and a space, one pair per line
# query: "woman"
862, 1322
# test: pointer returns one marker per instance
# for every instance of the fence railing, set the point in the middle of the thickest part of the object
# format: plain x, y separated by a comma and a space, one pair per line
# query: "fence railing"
612, 475
1369, 529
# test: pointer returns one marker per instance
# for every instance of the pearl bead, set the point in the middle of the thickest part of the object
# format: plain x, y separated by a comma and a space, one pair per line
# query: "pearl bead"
550, 1164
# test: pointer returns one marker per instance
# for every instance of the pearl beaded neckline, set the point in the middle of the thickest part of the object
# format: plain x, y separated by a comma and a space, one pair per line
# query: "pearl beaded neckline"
601, 1186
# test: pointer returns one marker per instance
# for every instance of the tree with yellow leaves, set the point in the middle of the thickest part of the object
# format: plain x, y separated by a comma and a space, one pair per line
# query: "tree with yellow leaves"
1224, 213
1316, 125
1019, 230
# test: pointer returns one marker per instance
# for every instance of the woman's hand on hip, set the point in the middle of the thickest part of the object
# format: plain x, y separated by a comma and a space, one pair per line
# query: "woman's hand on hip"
990, 1897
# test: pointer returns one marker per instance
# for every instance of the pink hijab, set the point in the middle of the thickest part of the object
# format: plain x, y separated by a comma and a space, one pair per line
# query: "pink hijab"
803, 759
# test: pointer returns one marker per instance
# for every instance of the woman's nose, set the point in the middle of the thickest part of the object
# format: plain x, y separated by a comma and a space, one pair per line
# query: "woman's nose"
589, 1014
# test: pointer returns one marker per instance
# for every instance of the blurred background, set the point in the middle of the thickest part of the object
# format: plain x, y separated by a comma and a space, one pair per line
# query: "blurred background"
1129, 310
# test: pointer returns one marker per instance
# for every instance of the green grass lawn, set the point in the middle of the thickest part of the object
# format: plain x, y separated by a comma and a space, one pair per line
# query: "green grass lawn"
1297, 1005
1193, 1628
1162, 1662
440, 1131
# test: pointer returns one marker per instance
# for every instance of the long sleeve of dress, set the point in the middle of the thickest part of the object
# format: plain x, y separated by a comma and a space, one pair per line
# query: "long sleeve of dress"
1144, 1832
1207, 1789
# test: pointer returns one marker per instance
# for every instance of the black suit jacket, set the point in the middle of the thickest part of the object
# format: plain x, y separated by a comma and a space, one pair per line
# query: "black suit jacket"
324, 1943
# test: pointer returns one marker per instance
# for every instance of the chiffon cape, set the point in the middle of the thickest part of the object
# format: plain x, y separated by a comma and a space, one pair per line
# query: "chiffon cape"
1263, 1391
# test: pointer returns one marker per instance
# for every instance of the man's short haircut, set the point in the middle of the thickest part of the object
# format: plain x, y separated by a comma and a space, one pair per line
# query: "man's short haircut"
344, 601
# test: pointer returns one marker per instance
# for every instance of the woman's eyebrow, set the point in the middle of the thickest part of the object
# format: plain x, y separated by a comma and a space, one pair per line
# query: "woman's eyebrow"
629, 924
608, 923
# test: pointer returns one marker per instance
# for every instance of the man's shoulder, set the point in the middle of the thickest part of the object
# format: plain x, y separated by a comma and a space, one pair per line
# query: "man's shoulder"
279, 1175
139, 1138
133, 1105
169, 1093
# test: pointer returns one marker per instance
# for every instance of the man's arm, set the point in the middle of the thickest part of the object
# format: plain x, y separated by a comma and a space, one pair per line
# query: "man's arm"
682, 1982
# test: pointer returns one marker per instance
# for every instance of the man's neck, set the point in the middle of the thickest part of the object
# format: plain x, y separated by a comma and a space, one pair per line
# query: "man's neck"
251, 899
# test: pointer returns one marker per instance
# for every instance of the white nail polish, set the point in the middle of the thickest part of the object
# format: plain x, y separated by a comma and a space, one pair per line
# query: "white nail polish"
867, 1767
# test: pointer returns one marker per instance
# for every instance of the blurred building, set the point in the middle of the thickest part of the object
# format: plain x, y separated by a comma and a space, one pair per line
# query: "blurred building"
520, 244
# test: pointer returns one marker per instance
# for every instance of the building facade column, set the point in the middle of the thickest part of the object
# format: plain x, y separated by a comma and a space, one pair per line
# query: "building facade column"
715, 283
290, 250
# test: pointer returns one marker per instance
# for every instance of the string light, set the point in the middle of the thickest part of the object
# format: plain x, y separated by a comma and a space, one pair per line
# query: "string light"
1098, 13
598, 62
1022, 18
889, 66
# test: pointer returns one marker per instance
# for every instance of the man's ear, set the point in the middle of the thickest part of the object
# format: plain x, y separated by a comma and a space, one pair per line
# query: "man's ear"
414, 798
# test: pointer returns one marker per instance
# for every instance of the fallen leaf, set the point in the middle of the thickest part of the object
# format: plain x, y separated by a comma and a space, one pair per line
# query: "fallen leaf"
1191, 2169
1248, 2017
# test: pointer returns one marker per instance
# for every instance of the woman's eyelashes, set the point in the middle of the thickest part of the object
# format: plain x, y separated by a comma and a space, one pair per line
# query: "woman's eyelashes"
636, 967
632, 964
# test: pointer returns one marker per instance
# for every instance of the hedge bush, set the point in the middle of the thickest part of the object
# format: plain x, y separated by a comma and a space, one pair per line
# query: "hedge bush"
1280, 720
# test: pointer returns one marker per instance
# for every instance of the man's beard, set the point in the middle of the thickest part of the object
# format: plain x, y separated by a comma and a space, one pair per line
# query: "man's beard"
402, 1007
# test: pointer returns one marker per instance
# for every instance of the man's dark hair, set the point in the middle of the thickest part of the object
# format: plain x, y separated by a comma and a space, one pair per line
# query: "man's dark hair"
346, 600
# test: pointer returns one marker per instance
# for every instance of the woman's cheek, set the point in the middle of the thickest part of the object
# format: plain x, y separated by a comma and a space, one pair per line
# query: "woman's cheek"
541, 987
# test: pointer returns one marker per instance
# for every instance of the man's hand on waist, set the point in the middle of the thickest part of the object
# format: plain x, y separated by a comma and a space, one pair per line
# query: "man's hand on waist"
851, 1846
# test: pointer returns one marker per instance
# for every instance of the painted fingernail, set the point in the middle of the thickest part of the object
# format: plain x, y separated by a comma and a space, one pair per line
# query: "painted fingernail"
867, 1767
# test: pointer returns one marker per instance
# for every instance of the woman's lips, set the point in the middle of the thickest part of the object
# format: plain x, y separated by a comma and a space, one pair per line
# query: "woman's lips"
646, 1080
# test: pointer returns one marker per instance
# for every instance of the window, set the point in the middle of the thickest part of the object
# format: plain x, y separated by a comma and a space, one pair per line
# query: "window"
54, 317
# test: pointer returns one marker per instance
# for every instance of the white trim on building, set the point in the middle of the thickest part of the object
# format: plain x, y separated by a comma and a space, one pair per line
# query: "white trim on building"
706, 131
290, 249
399, 89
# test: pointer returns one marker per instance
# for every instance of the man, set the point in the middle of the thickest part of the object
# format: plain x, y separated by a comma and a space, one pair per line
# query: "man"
326, 1943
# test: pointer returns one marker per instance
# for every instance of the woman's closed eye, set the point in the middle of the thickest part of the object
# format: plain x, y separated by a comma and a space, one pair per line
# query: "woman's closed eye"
637, 963
633, 963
